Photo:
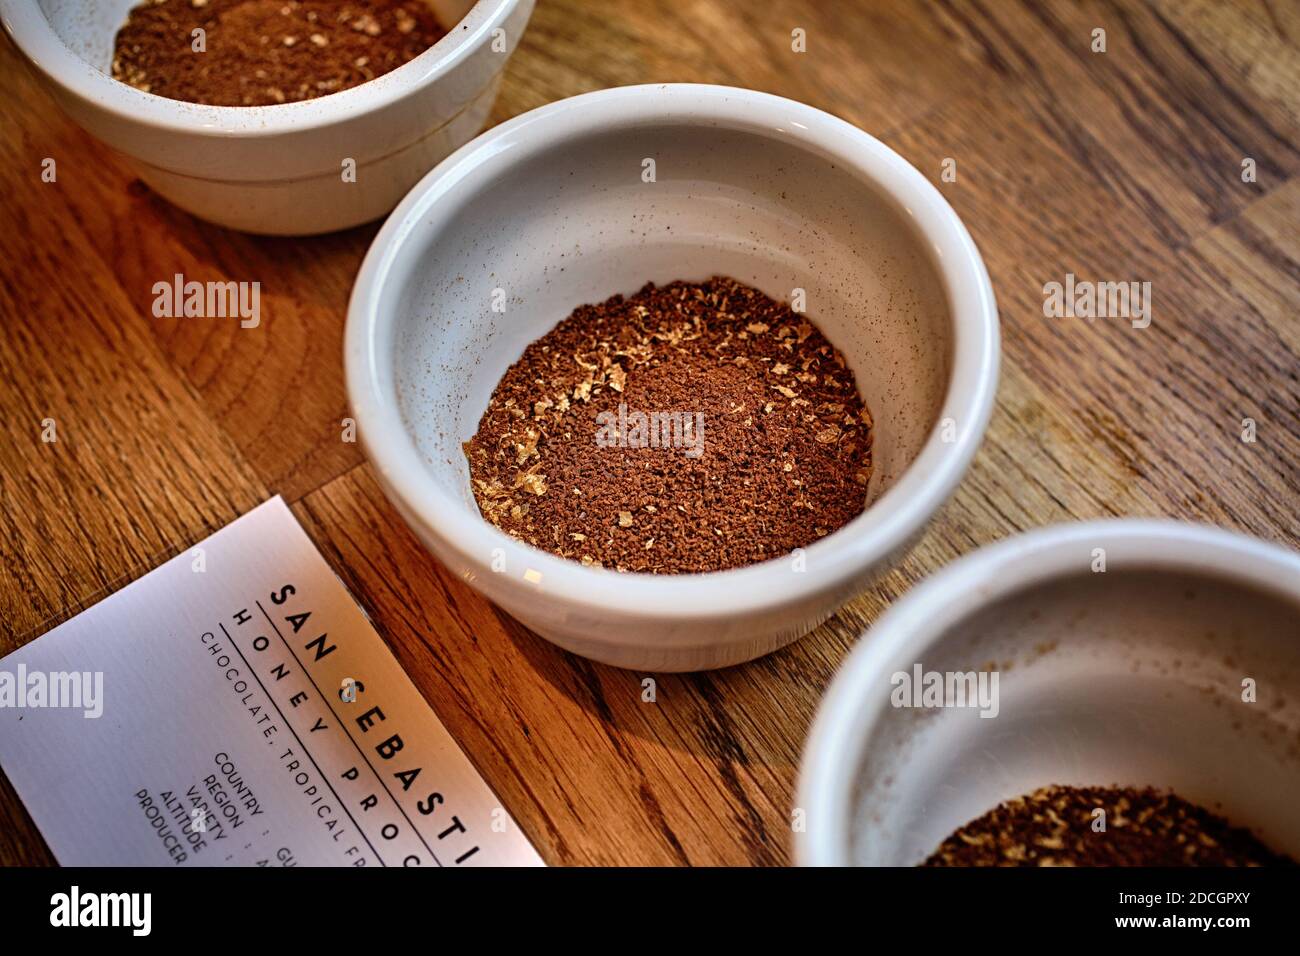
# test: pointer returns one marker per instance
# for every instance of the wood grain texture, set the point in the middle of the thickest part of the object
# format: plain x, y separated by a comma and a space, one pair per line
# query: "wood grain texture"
1115, 166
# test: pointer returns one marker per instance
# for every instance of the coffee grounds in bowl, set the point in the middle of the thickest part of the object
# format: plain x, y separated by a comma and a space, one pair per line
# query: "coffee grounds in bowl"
691, 427
265, 52
1054, 826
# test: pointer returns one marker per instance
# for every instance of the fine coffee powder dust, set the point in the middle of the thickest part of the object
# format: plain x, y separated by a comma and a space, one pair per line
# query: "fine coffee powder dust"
1055, 826
264, 52
688, 428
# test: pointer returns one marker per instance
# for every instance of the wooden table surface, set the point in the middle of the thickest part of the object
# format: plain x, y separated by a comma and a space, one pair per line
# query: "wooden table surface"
1114, 166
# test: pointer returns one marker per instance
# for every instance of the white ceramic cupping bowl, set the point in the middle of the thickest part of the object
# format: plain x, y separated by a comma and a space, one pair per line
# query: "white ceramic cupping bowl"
1132, 676
553, 209
277, 169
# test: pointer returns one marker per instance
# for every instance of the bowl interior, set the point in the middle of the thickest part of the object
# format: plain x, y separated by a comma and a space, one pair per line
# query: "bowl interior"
89, 29
1128, 679
577, 222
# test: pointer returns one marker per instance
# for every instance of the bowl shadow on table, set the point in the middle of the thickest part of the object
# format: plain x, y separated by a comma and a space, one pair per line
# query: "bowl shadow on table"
298, 291
229, 254
755, 714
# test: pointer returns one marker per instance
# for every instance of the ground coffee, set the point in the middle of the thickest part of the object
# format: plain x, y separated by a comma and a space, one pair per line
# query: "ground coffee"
263, 52
1057, 826
693, 427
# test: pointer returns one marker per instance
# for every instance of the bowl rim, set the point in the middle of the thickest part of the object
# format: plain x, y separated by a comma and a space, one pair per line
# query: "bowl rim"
32, 33
847, 715
881, 529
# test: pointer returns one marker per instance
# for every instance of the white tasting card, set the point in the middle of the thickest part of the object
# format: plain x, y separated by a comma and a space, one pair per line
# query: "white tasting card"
235, 707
